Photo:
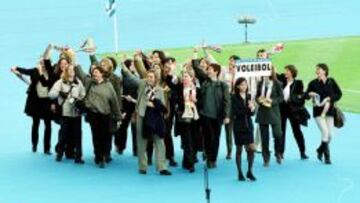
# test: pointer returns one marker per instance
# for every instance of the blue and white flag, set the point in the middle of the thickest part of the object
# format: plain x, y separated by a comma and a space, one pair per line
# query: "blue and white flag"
110, 8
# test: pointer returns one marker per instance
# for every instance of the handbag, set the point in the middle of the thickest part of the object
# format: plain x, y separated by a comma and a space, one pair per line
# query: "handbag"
58, 109
80, 104
339, 117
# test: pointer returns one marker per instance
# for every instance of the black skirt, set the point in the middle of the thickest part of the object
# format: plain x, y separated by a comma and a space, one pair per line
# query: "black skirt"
243, 138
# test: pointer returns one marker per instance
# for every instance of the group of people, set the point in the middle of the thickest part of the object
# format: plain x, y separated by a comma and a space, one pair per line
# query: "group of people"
160, 100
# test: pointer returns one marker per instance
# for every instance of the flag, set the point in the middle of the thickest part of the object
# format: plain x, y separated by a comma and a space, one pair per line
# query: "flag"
110, 8
278, 48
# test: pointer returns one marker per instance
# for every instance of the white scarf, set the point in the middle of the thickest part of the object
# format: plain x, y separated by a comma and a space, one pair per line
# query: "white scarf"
269, 86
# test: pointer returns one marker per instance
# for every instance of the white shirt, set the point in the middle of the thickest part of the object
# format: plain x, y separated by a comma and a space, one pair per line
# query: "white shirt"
287, 91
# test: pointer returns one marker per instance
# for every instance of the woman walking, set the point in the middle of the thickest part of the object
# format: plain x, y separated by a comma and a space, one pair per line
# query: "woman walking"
242, 108
321, 89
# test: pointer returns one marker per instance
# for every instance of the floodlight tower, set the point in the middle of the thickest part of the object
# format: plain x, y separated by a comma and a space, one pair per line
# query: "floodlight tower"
246, 20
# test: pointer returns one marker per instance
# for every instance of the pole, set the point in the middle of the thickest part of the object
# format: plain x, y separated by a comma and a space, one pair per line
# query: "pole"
116, 33
246, 40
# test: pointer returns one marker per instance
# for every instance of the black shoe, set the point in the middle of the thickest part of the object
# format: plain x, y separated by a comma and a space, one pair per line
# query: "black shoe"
241, 176
102, 164
304, 156
191, 169
108, 159
228, 156
47, 152
119, 151
143, 172
34, 149
58, 158
79, 161
165, 173
278, 158
97, 161
327, 154
172, 163
211, 165
250, 176
320, 151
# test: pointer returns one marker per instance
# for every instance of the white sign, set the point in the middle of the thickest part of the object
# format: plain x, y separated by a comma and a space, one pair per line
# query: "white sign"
253, 68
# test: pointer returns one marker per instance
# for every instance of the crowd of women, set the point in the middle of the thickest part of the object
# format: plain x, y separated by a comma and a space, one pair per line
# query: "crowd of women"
160, 100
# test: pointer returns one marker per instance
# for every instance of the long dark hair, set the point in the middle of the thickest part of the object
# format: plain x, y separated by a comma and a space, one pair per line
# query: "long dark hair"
237, 83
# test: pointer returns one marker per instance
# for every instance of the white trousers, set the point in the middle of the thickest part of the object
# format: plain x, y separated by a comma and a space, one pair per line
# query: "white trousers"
326, 126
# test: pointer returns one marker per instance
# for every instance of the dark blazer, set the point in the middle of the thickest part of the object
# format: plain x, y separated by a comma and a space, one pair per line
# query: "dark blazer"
295, 106
328, 89
297, 95
266, 115
241, 114
35, 106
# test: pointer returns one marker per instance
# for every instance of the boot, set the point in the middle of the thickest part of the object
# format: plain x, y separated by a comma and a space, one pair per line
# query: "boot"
320, 151
241, 176
327, 154
250, 176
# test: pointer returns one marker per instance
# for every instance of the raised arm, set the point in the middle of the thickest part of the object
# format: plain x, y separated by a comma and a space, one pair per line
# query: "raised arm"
139, 66
82, 75
199, 73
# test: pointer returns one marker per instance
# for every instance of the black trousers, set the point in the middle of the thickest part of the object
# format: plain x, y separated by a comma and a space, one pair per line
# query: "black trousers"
188, 142
265, 137
211, 130
101, 135
296, 129
168, 140
121, 136
35, 133
70, 136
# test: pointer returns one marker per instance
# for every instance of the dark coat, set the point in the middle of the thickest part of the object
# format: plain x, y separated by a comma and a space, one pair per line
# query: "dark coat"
35, 106
154, 120
270, 115
296, 103
328, 89
241, 115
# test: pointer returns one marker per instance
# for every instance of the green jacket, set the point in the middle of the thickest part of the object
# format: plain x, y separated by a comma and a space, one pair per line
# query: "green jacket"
221, 96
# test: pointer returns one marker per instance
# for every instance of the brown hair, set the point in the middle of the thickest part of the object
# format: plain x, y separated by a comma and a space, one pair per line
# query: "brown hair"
216, 67
292, 70
324, 67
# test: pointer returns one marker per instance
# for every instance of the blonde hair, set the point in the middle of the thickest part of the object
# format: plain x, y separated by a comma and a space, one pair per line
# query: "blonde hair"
65, 75
108, 63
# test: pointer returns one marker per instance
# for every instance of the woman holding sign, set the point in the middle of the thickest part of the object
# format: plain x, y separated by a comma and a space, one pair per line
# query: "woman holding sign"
242, 108
269, 96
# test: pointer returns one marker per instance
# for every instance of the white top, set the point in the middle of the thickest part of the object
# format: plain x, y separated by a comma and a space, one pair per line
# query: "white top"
287, 91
